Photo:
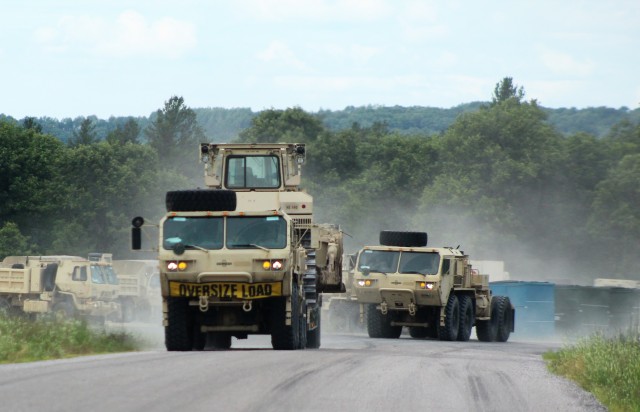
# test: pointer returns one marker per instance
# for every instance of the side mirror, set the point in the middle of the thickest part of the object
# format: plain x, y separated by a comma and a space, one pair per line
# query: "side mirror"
136, 238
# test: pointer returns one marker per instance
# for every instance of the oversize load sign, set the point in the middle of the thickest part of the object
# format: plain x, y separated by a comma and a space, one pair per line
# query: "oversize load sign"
225, 290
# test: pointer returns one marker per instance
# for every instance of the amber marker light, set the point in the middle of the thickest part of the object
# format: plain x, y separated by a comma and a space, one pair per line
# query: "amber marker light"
266, 265
182, 266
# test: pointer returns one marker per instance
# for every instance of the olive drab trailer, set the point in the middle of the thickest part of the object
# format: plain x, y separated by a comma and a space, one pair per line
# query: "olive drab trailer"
66, 286
433, 291
244, 256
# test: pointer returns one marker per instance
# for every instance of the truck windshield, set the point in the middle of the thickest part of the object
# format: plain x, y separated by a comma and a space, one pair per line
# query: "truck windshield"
204, 232
110, 275
419, 262
245, 232
378, 261
252, 172
97, 276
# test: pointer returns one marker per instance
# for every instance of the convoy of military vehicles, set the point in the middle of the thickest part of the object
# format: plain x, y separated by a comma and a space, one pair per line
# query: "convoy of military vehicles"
245, 256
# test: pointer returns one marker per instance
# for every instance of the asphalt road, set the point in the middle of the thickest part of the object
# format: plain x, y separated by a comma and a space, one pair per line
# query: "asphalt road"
349, 373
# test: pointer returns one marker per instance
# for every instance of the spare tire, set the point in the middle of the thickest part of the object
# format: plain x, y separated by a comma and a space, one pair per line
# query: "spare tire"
201, 200
407, 239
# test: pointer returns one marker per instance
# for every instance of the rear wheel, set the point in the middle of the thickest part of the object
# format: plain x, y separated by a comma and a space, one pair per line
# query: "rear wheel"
466, 318
503, 318
452, 320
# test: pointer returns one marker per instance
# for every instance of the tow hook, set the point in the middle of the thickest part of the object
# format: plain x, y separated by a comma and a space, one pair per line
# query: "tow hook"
412, 308
247, 306
204, 303
384, 307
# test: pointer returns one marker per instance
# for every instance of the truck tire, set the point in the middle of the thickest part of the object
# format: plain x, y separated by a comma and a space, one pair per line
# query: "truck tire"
212, 200
406, 239
5, 307
487, 330
466, 318
63, 311
379, 325
178, 334
128, 310
449, 331
220, 340
503, 317
285, 337
313, 336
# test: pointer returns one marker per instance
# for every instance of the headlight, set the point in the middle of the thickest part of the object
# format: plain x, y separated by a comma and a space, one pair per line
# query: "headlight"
277, 264
173, 266
366, 282
426, 285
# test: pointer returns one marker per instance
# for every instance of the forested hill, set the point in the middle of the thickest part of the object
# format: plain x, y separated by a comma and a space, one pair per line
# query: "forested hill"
223, 125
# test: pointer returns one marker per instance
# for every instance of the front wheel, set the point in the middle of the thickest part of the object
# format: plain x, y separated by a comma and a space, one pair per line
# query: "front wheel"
451, 321
466, 318
379, 325
178, 334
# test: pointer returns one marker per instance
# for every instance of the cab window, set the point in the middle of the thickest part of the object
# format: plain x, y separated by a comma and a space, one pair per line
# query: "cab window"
252, 172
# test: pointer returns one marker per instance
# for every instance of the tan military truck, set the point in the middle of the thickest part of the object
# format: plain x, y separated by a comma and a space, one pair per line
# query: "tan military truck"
341, 311
66, 286
139, 292
433, 291
245, 256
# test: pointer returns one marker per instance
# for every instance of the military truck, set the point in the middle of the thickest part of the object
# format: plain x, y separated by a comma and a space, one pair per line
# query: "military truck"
341, 311
244, 256
66, 286
433, 291
139, 292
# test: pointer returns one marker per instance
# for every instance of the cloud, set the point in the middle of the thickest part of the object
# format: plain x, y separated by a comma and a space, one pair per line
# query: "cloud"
131, 34
317, 10
563, 63
279, 53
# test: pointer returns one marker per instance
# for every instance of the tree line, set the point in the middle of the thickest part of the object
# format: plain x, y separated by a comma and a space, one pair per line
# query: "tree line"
501, 182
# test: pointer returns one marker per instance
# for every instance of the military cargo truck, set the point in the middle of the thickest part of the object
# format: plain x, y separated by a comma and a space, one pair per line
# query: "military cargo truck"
245, 255
66, 286
341, 311
139, 291
433, 291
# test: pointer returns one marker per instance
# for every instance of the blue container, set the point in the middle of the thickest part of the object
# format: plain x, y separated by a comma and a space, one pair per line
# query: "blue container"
535, 307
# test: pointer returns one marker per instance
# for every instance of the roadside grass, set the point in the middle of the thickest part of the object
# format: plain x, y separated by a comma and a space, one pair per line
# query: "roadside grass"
607, 367
23, 340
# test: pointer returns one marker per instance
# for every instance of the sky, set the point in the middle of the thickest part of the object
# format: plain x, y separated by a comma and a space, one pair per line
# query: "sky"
71, 58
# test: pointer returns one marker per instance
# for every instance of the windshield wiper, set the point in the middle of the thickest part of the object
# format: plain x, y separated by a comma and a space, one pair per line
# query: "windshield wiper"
251, 245
415, 272
197, 247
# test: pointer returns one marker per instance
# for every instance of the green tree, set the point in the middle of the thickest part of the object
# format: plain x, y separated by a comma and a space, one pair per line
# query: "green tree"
31, 123
506, 90
127, 133
615, 220
85, 134
31, 187
174, 130
292, 125
12, 242
109, 184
